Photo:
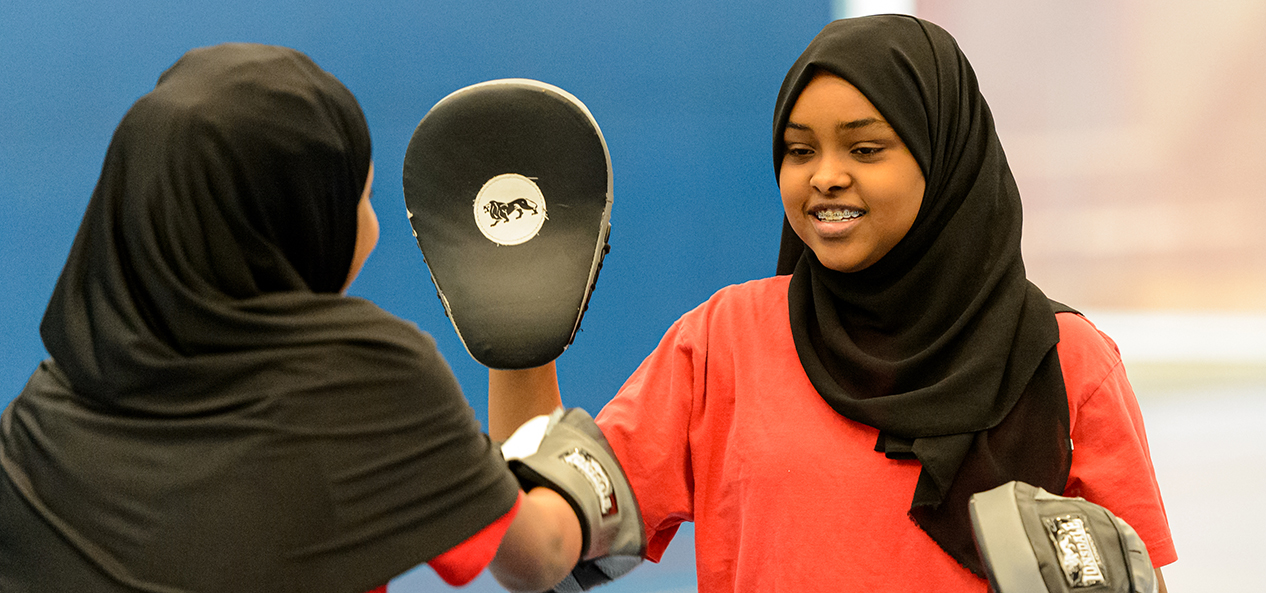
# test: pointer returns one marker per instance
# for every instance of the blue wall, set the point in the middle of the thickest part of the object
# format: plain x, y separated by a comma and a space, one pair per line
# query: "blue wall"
682, 89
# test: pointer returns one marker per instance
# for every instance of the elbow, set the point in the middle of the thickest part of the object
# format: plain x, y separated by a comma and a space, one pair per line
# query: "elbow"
542, 545
548, 569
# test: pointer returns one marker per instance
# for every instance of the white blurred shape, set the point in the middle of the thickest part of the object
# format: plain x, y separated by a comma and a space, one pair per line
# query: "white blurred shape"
1189, 337
844, 9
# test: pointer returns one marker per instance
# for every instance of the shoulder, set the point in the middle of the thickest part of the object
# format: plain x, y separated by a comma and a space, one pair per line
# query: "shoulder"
762, 293
367, 324
762, 290
357, 339
1083, 346
1089, 359
735, 309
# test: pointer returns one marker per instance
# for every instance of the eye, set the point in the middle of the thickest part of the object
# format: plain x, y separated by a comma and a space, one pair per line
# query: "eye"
867, 151
798, 151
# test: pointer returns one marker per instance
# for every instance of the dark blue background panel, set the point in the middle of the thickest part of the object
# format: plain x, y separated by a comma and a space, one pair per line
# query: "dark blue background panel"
683, 91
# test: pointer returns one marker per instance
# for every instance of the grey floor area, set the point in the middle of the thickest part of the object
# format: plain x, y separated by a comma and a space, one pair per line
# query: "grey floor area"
1205, 411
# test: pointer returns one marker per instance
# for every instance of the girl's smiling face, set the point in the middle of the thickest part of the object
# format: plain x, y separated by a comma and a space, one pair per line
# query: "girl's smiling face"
850, 187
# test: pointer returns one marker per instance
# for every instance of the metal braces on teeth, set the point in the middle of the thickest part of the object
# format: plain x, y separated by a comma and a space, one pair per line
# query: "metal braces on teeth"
836, 215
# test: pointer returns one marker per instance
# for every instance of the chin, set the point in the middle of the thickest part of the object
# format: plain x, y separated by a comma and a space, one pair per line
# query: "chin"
844, 267
840, 262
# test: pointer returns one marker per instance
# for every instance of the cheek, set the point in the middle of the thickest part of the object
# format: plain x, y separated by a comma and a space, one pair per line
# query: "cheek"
906, 196
369, 219
791, 207
914, 201
791, 191
366, 230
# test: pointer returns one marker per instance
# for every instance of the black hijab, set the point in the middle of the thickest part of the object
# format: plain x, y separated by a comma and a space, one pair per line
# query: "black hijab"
943, 344
214, 414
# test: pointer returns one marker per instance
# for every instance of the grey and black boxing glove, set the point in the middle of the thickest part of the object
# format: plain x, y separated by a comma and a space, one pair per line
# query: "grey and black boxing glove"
567, 453
1032, 541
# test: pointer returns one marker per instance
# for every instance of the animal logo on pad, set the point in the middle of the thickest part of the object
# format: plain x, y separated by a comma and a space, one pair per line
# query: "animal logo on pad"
510, 209
501, 211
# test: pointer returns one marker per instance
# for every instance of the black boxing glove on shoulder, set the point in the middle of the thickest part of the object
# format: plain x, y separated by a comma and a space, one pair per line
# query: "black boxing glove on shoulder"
567, 453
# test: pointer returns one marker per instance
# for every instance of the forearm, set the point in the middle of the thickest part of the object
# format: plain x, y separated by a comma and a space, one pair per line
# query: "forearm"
516, 396
542, 545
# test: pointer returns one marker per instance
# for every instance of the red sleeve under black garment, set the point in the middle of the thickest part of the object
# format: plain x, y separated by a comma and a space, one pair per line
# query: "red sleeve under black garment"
461, 564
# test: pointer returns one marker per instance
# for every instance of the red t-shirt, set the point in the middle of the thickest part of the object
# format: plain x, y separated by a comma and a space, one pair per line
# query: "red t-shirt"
720, 426
463, 562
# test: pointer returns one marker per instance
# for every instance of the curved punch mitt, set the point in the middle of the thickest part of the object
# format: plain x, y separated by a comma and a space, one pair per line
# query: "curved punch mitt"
508, 188
1033, 541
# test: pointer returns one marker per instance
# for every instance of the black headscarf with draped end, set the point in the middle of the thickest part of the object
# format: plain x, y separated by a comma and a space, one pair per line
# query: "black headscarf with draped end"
215, 415
943, 344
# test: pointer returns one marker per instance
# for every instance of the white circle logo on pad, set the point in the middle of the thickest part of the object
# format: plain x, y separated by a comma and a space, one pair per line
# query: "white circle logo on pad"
510, 209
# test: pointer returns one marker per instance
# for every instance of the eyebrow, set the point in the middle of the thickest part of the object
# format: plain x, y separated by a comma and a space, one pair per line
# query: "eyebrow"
848, 125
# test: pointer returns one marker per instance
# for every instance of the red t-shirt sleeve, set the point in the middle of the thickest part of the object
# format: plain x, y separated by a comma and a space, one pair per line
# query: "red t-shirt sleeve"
1112, 465
463, 562
647, 424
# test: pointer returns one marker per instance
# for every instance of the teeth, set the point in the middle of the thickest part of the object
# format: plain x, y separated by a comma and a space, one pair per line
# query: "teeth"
837, 215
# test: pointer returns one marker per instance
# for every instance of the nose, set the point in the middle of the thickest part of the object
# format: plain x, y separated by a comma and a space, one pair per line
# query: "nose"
832, 173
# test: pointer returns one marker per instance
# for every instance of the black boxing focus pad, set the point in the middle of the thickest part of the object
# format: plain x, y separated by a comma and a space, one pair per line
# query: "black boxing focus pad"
567, 452
1032, 541
508, 189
